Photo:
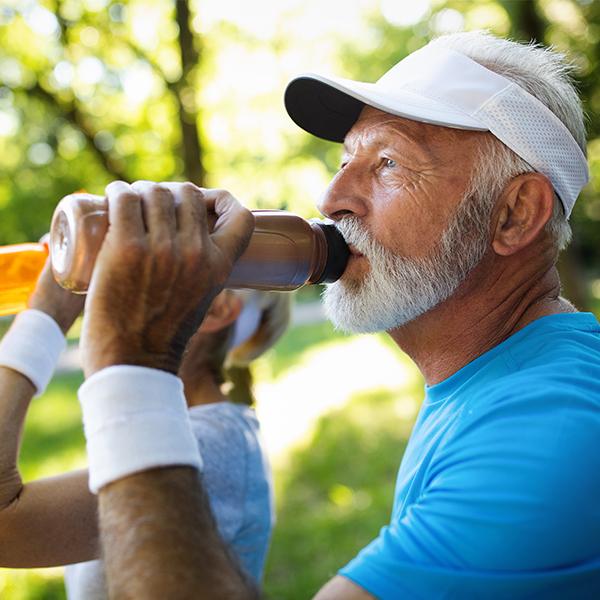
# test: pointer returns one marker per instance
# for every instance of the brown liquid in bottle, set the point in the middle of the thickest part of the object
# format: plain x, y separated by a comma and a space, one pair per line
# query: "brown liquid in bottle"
20, 267
284, 253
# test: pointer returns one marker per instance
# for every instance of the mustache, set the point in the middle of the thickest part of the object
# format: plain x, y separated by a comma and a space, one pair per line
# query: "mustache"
356, 234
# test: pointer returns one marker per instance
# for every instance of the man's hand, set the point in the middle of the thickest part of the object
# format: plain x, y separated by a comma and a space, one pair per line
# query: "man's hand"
60, 304
157, 272
155, 276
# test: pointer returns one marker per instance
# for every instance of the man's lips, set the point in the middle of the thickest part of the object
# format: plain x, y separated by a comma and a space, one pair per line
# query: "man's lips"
357, 263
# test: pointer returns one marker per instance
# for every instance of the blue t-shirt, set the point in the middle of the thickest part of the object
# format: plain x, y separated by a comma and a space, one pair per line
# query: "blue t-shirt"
498, 493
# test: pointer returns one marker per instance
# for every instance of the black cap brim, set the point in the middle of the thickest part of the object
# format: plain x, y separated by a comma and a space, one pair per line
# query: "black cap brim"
321, 109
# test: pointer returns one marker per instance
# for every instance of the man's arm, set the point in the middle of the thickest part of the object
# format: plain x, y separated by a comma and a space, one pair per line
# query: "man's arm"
180, 498
51, 521
160, 540
157, 266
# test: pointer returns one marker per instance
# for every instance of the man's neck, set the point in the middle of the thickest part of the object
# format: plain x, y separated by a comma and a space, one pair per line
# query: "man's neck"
495, 301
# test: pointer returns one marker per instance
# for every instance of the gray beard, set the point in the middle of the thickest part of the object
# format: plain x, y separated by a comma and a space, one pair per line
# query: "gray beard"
397, 290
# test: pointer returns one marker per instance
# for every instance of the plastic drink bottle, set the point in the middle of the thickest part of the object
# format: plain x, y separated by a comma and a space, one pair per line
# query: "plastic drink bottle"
285, 252
20, 266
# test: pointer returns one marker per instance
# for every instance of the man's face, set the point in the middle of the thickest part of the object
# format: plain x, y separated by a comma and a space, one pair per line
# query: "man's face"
398, 199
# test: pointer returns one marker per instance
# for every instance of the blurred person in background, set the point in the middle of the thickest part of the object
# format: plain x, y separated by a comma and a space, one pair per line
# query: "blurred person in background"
461, 167
53, 521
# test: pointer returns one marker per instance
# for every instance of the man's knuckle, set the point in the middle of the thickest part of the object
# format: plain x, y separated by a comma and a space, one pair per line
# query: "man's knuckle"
189, 187
248, 217
159, 192
221, 194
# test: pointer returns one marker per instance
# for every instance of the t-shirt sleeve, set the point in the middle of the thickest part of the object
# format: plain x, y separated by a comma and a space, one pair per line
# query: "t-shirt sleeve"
513, 492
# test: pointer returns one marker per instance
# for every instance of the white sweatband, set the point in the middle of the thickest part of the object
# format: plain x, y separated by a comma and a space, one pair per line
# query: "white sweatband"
32, 346
135, 419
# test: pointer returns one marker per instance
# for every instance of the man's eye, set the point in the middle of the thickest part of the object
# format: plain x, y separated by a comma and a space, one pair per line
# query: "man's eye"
389, 163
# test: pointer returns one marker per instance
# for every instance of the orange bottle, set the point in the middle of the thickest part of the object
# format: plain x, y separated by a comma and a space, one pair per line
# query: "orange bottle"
20, 266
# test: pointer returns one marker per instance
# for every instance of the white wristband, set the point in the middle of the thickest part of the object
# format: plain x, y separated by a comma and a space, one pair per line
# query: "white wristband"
32, 346
135, 419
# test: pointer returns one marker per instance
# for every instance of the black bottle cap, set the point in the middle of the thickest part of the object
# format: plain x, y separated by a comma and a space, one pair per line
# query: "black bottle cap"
337, 253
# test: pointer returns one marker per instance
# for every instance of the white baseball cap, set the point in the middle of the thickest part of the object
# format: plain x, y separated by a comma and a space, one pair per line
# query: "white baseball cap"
444, 87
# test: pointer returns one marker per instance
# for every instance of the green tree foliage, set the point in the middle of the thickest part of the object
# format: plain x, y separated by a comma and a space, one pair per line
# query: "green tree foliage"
94, 90
88, 96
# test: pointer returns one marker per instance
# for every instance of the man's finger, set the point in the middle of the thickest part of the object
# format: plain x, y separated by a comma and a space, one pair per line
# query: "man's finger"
234, 225
176, 188
158, 205
191, 214
125, 215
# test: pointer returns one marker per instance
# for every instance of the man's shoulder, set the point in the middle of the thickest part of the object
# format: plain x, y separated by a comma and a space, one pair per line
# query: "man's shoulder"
544, 391
549, 405
546, 387
557, 356
557, 342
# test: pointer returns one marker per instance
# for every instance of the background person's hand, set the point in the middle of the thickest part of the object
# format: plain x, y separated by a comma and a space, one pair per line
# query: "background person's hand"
63, 306
157, 272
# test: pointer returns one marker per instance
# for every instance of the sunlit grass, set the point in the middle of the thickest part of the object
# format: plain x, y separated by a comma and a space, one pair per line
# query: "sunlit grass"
314, 370
335, 493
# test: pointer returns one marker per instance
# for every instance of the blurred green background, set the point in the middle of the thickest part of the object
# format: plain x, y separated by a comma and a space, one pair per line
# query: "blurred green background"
94, 90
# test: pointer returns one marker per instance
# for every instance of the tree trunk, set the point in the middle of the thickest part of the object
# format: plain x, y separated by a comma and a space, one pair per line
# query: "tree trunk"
526, 23
185, 94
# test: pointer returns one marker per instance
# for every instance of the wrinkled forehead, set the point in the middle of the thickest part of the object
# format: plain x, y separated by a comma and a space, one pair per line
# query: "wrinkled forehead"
428, 143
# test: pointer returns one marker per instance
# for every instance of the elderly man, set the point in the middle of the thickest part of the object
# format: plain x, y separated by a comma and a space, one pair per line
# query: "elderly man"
460, 169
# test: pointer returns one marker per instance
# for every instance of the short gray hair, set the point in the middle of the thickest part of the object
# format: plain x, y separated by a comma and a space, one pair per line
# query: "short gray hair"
545, 74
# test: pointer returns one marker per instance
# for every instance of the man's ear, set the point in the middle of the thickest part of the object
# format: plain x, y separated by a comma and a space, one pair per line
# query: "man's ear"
223, 311
525, 207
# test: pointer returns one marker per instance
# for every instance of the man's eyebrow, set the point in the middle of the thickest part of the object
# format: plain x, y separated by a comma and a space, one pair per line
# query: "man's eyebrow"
376, 133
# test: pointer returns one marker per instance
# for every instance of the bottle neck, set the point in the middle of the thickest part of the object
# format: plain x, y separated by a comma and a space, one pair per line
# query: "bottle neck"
333, 253
320, 252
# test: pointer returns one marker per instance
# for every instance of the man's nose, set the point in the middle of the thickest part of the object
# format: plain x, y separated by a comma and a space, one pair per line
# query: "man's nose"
344, 196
